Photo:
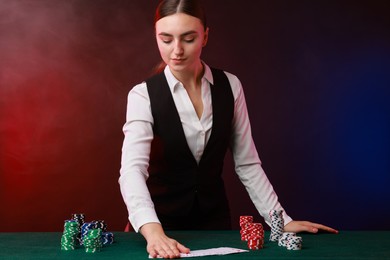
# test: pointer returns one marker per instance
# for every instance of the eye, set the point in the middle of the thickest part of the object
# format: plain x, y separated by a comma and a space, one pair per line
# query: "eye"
189, 40
166, 40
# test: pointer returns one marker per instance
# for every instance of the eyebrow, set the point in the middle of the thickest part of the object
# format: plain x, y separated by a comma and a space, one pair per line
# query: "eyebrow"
183, 34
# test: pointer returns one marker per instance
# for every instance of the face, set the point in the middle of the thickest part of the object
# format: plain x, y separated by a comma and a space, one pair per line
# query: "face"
180, 39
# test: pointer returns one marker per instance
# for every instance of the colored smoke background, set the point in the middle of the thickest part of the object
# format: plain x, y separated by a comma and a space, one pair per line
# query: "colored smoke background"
315, 75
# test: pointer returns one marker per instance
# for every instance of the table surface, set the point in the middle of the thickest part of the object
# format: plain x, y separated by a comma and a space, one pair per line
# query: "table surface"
131, 246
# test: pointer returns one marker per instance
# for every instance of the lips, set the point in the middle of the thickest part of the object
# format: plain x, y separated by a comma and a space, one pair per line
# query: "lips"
180, 59
177, 61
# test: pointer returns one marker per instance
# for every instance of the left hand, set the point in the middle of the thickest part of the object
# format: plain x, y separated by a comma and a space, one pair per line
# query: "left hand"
307, 226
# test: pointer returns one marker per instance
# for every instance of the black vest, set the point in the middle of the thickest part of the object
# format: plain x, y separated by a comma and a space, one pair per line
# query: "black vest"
176, 180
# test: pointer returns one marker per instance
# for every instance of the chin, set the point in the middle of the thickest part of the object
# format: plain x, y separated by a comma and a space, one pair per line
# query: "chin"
176, 67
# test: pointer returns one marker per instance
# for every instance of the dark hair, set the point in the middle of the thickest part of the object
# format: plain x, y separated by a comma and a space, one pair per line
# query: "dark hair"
190, 7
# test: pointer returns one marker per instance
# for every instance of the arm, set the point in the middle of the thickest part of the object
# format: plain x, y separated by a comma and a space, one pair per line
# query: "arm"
247, 162
138, 134
248, 167
136, 147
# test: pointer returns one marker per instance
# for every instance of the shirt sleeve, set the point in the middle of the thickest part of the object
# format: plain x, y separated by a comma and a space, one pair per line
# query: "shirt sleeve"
138, 135
246, 160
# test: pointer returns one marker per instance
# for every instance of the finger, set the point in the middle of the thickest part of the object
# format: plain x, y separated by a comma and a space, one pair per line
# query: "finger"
183, 249
309, 228
176, 248
152, 253
171, 251
164, 253
321, 227
157, 251
326, 228
332, 230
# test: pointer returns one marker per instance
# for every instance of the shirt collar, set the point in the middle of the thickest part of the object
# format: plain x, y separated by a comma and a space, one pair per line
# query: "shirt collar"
173, 82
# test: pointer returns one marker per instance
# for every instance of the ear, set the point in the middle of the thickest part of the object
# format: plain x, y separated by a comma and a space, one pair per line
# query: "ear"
205, 37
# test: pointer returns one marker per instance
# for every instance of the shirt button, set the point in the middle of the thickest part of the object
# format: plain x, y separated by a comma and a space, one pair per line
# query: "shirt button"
202, 133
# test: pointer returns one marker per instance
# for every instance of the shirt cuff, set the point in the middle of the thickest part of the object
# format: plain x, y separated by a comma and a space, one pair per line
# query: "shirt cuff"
142, 217
287, 219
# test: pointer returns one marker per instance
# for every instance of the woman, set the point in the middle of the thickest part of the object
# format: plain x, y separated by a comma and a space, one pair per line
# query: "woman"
179, 126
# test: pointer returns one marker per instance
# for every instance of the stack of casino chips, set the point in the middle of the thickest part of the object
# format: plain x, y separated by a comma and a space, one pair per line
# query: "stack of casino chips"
80, 218
251, 232
92, 240
294, 243
283, 240
87, 226
291, 241
286, 239
256, 236
69, 235
100, 224
244, 221
76, 232
107, 238
277, 224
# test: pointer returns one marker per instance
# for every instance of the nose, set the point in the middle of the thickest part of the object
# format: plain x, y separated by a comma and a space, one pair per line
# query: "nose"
178, 48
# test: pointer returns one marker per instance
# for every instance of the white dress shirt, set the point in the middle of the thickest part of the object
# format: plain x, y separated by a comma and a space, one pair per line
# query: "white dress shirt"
138, 131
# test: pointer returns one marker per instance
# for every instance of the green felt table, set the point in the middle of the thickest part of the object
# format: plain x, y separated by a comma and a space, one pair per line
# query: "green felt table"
131, 246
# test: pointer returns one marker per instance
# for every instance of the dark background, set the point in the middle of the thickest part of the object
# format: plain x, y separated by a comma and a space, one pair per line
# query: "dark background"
315, 75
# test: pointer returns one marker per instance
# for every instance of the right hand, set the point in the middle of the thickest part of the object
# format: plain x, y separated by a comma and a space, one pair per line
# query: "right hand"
158, 244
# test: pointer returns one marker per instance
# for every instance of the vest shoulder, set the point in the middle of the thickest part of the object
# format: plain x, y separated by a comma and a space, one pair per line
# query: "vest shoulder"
156, 77
231, 76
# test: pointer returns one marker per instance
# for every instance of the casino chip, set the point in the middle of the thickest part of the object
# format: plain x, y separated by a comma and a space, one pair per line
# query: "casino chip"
283, 240
288, 240
80, 218
92, 235
294, 243
87, 226
100, 224
244, 221
251, 232
92, 240
69, 235
107, 238
277, 224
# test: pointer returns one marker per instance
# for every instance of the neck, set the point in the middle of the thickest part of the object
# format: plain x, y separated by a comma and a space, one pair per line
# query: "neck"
192, 77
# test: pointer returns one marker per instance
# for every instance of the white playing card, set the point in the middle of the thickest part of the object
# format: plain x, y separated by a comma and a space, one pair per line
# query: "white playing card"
212, 251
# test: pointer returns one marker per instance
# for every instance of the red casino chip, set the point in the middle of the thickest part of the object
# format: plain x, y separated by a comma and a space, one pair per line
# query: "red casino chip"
244, 220
255, 243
